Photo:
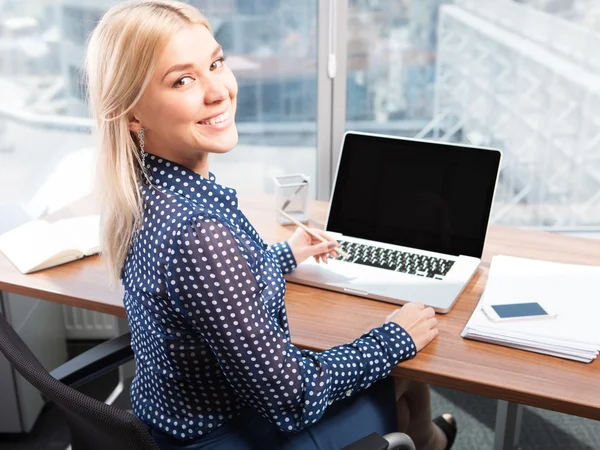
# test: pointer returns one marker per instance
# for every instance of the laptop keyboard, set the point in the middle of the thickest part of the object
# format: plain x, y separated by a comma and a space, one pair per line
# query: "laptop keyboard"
396, 260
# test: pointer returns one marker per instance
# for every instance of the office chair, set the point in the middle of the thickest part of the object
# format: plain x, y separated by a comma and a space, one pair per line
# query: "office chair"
95, 425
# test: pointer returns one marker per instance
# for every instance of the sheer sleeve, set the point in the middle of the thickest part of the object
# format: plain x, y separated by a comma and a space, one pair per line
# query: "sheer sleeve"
211, 280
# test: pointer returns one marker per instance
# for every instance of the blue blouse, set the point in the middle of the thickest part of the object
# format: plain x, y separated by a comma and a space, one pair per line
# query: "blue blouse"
204, 297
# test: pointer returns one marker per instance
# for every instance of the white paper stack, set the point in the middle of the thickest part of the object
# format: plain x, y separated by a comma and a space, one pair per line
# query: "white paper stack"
572, 291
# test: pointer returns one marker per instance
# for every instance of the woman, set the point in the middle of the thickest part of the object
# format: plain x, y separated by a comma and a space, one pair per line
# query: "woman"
215, 367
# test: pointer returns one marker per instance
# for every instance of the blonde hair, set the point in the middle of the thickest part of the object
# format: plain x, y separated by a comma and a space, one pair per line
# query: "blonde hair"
121, 56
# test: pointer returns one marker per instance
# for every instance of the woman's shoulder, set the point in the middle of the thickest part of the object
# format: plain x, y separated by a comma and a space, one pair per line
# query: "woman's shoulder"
166, 204
167, 212
166, 209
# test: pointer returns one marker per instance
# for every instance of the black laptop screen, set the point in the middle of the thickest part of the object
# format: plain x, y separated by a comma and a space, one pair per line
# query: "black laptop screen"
424, 195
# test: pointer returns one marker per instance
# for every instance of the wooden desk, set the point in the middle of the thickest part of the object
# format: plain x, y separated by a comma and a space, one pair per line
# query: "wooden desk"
320, 319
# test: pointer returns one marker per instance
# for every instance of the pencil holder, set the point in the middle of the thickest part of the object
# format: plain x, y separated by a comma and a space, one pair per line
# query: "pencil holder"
291, 196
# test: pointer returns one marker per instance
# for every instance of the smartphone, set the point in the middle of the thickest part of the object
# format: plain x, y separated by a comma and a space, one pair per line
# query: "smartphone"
517, 311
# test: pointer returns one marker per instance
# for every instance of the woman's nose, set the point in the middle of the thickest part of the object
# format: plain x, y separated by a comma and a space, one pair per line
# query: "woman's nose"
215, 91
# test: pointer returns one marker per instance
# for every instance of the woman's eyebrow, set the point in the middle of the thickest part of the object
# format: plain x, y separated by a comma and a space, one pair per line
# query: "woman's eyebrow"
186, 66
178, 68
216, 51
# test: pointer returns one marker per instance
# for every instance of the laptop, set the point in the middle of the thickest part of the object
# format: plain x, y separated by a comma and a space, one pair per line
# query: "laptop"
412, 215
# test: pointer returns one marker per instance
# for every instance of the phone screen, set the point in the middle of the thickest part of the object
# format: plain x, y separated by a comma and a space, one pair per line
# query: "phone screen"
519, 310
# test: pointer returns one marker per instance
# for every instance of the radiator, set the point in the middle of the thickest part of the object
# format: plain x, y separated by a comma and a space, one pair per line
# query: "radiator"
84, 324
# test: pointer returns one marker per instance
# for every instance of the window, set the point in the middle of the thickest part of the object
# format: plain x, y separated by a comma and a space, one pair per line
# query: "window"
44, 120
521, 76
518, 75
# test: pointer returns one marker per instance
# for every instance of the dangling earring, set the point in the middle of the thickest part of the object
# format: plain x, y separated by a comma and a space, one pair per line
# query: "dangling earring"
141, 142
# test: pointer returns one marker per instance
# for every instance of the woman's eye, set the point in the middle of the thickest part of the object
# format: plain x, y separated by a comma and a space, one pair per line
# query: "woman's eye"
218, 63
182, 81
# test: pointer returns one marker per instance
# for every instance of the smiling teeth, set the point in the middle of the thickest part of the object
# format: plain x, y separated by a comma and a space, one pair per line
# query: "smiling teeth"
220, 118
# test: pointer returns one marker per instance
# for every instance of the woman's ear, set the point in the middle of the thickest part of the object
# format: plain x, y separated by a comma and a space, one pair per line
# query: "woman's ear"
134, 124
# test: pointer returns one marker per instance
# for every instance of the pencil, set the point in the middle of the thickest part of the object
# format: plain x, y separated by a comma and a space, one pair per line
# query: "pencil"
338, 250
289, 200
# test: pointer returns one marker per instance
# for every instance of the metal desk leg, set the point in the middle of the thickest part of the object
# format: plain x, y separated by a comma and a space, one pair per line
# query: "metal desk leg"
126, 371
508, 425
119, 388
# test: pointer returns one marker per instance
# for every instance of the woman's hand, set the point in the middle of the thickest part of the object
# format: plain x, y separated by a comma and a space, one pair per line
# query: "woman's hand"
418, 321
303, 245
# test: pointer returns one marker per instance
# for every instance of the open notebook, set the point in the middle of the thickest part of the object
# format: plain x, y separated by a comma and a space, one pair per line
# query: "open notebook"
37, 245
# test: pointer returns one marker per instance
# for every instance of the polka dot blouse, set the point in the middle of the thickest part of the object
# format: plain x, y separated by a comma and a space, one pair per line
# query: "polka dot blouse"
205, 302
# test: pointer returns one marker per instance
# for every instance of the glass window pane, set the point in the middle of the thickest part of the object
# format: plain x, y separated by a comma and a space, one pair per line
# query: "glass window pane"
45, 133
518, 75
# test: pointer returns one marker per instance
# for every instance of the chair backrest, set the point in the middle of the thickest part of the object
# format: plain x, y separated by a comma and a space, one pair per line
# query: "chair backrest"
94, 425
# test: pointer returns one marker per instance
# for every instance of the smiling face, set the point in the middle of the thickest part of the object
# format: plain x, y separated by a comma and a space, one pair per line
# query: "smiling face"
188, 108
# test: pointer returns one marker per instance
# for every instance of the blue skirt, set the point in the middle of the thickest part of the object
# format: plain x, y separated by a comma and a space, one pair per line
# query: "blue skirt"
344, 422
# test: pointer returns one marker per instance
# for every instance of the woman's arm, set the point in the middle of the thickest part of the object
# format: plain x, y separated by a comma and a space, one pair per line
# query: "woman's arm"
209, 276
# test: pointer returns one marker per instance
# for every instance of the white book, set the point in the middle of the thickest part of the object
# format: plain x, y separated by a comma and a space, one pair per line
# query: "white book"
38, 244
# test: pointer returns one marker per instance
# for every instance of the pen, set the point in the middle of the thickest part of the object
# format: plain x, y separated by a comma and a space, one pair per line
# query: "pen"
338, 250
